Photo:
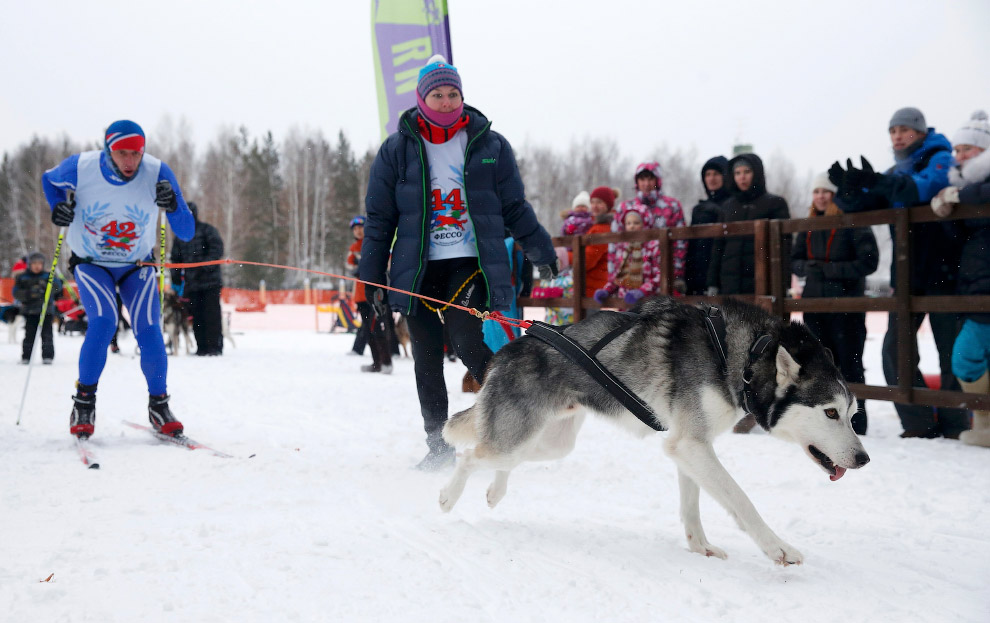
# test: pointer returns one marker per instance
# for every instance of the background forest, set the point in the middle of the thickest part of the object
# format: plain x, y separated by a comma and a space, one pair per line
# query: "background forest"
290, 201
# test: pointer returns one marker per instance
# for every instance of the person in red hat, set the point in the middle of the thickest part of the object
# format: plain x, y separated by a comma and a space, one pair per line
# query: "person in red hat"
596, 255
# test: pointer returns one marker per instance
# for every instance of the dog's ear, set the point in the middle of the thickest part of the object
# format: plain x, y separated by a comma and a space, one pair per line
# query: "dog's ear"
828, 353
787, 368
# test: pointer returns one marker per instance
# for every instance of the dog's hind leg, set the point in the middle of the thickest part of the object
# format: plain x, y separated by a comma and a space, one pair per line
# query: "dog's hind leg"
691, 518
555, 442
496, 490
473, 459
697, 459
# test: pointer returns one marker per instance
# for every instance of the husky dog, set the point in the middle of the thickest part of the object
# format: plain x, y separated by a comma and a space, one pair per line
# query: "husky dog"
176, 320
533, 401
402, 335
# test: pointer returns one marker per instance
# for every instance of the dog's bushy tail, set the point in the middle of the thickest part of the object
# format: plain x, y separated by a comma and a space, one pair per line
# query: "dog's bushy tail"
461, 430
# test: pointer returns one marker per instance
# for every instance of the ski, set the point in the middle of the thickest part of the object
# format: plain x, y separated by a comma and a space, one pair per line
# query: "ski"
178, 440
86, 454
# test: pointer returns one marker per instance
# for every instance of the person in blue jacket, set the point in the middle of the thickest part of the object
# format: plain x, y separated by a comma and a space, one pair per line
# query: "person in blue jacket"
922, 159
109, 200
446, 187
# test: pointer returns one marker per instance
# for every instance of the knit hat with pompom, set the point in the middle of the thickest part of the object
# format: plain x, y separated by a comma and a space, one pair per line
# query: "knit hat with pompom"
976, 132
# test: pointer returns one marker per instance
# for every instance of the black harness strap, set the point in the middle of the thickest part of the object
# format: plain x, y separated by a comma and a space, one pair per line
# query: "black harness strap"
715, 323
587, 362
614, 333
746, 399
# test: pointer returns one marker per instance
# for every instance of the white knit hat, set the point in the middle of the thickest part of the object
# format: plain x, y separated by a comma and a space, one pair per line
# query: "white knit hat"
582, 199
821, 181
976, 132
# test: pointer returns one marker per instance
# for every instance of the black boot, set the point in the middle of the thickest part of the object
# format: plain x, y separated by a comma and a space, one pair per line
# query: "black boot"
161, 417
859, 418
440, 455
82, 422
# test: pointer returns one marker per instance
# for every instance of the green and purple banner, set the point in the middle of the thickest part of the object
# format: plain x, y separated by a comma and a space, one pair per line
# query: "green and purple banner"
404, 35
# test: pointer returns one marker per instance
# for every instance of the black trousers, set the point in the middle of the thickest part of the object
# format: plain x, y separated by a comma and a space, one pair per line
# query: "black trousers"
845, 336
30, 329
919, 418
204, 305
442, 280
377, 331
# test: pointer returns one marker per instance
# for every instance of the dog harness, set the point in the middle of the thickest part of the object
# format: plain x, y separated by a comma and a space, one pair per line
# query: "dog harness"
587, 361
715, 323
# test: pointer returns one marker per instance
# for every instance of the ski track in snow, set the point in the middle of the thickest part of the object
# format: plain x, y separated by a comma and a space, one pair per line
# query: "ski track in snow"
328, 522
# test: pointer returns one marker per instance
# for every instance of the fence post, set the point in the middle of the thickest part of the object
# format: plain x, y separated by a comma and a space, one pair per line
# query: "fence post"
907, 344
778, 287
261, 293
760, 257
577, 276
666, 263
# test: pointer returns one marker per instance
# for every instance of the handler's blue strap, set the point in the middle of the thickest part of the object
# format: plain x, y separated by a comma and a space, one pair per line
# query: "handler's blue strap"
587, 362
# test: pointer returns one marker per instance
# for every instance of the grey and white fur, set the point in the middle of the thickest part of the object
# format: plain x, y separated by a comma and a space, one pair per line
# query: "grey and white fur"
533, 402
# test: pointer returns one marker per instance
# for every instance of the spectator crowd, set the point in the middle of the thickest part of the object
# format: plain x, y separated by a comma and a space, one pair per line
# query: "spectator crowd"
947, 257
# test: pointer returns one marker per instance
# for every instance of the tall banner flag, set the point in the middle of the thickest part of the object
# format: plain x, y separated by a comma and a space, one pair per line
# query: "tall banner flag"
405, 34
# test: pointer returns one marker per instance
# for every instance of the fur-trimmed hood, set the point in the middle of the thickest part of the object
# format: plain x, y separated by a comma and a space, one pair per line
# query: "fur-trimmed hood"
973, 171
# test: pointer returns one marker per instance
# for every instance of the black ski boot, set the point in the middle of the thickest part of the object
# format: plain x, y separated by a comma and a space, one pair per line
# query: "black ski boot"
82, 422
161, 417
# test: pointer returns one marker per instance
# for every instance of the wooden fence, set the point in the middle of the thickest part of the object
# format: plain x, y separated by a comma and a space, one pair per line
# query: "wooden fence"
770, 291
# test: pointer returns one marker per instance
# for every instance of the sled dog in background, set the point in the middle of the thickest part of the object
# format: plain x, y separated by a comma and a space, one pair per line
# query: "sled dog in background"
177, 321
533, 402
402, 335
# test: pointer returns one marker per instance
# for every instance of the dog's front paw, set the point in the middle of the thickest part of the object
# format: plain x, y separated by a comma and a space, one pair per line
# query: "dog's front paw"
784, 554
496, 491
446, 501
706, 549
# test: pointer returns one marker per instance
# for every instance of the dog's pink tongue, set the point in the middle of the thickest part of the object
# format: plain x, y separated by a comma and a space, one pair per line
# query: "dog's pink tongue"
839, 472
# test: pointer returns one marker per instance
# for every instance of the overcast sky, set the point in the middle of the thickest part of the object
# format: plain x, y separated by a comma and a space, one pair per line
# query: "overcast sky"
815, 81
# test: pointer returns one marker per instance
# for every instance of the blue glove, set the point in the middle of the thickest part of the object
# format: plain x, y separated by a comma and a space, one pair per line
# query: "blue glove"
601, 295
633, 296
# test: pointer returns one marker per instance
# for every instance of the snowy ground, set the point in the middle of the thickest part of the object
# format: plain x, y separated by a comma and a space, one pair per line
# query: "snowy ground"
327, 522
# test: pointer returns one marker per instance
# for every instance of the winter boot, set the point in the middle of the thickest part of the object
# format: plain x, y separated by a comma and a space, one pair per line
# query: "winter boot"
980, 434
161, 416
859, 418
83, 419
745, 425
469, 384
440, 455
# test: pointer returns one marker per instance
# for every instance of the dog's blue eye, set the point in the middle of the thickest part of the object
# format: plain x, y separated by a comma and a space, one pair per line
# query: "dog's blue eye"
832, 414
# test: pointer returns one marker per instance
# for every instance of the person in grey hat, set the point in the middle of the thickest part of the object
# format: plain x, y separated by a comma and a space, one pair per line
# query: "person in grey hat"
922, 159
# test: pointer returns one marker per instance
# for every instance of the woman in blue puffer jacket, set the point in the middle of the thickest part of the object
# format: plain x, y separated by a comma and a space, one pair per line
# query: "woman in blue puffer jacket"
445, 188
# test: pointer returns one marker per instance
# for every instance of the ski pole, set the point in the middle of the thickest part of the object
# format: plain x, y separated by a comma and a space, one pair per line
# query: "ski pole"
70, 197
161, 273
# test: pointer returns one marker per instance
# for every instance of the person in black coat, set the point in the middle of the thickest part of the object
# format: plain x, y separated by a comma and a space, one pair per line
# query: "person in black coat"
29, 290
970, 183
732, 267
699, 250
835, 263
201, 285
443, 189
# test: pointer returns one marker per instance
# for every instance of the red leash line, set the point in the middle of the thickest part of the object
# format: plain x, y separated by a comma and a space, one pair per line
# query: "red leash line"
496, 316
